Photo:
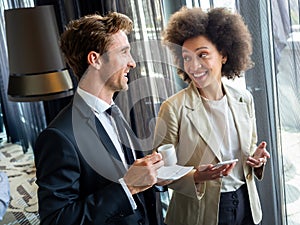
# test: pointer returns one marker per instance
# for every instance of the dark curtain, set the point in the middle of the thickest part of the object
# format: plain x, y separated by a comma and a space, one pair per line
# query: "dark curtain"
23, 121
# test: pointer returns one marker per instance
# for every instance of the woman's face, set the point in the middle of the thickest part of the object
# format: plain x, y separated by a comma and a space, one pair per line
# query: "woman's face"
202, 62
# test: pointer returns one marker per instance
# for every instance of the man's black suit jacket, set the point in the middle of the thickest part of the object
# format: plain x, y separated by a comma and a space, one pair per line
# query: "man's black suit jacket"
77, 173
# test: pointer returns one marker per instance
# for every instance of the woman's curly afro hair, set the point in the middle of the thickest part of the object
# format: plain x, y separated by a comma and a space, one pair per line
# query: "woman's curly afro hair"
226, 30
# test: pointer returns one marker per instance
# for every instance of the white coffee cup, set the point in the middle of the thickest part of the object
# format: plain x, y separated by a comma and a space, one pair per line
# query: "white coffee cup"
168, 154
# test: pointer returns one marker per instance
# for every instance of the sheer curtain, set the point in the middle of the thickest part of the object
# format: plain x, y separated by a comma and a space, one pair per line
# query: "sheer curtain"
23, 121
153, 79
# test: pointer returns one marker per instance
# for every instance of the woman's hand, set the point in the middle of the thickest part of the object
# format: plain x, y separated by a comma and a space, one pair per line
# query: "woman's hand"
209, 172
259, 157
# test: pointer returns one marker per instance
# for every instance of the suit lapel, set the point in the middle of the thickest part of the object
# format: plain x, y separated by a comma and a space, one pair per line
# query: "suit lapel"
95, 144
106, 140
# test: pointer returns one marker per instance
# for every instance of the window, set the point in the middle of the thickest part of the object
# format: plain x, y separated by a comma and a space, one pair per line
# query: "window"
288, 84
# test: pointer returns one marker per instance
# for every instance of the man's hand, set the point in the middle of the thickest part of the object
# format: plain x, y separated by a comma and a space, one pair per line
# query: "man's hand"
142, 174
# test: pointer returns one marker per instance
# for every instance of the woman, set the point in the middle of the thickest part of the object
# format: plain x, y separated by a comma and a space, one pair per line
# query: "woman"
210, 122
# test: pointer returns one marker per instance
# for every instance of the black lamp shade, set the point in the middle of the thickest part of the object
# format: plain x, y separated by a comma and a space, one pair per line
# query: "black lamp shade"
37, 69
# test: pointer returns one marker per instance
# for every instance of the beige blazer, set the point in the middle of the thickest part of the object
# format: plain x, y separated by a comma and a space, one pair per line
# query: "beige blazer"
183, 121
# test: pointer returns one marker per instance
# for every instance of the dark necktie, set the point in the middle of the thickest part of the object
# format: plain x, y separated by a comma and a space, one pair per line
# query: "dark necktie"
123, 131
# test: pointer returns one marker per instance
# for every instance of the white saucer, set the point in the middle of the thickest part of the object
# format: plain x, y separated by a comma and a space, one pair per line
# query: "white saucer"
173, 172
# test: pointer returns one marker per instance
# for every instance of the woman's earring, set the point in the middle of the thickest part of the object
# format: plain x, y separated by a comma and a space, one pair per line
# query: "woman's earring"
224, 60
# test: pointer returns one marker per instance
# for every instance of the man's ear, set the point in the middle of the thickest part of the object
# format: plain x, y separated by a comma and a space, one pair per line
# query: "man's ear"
94, 60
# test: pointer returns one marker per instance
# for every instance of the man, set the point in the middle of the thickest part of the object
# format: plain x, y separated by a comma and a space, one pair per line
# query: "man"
82, 172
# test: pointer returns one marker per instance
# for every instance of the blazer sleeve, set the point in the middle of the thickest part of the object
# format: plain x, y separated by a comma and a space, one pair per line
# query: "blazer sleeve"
61, 200
259, 172
167, 131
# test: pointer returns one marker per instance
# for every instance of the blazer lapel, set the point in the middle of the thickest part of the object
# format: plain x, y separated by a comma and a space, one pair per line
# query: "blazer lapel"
199, 119
239, 108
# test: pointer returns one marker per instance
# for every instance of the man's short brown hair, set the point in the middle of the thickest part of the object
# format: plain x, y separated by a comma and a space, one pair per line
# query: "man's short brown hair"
90, 33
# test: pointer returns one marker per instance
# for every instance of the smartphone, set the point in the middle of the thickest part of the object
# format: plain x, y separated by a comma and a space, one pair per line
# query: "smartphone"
225, 163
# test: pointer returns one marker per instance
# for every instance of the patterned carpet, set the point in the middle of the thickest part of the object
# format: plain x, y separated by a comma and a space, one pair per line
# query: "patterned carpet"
20, 170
